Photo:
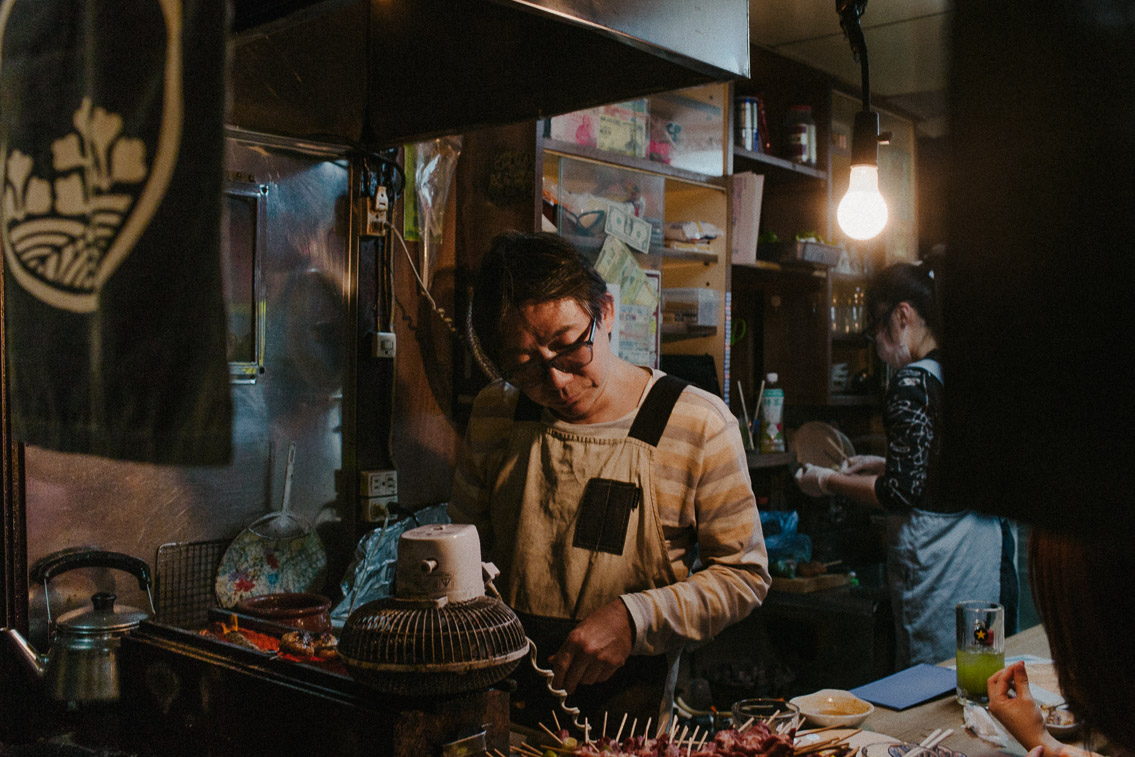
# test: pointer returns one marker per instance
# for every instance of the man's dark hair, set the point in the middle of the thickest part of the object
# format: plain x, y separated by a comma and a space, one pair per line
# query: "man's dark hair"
521, 269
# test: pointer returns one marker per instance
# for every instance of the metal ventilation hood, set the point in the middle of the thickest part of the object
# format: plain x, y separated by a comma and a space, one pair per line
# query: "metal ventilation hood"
379, 72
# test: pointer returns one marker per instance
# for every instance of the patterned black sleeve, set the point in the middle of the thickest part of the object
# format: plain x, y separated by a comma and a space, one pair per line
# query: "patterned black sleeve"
913, 446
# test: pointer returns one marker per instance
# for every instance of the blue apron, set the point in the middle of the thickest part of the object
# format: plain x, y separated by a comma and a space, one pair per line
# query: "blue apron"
934, 561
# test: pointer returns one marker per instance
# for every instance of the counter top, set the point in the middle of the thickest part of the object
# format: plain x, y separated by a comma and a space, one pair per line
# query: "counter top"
916, 723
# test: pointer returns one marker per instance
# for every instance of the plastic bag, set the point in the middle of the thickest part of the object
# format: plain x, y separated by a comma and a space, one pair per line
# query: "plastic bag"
371, 572
434, 163
782, 540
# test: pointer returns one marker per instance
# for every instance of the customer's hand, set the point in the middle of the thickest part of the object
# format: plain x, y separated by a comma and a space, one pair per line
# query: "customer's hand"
871, 465
1011, 702
812, 480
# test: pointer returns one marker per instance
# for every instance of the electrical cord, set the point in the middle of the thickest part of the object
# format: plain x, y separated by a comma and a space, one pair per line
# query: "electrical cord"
468, 338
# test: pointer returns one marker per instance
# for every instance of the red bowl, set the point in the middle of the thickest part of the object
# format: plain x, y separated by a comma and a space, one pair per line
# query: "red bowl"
310, 612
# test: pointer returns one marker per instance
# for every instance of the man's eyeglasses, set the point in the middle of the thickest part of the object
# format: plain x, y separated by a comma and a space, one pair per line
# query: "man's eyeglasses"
570, 359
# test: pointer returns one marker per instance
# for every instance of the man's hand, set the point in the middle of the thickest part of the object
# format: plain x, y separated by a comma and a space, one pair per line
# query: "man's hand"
595, 649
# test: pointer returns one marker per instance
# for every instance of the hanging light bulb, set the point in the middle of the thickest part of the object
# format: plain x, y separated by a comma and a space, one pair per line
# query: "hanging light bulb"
862, 213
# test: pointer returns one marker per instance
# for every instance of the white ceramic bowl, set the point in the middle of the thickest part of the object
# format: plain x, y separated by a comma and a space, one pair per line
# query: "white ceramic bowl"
833, 707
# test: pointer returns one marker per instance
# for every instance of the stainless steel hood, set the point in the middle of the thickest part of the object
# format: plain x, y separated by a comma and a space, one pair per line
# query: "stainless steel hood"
379, 72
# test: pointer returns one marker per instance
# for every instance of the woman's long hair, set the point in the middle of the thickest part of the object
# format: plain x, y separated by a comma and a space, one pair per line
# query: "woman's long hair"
1084, 590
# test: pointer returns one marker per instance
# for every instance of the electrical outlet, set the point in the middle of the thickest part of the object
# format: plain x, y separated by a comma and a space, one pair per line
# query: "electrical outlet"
374, 212
378, 483
375, 509
384, 344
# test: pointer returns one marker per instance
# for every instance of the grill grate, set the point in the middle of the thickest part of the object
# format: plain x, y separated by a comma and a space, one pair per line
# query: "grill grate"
185, 574
402, 649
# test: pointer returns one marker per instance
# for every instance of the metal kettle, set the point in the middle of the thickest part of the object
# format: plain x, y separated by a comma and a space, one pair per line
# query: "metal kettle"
82, 663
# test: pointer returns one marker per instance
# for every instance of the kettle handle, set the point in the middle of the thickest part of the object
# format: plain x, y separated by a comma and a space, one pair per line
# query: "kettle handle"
54, 566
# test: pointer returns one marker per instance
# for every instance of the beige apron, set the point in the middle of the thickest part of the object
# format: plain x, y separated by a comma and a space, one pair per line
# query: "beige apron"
587, 530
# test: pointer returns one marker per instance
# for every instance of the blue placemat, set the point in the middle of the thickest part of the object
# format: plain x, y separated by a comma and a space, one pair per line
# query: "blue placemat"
909, 687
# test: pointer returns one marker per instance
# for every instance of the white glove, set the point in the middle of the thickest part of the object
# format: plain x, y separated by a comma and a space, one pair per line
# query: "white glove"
864, 464
813, 480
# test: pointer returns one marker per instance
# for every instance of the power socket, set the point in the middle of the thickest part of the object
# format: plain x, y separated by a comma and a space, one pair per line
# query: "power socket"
378, 483
383, 344
375, 509
374, 212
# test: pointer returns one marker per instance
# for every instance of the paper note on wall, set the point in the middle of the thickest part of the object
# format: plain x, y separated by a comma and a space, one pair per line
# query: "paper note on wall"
638, 299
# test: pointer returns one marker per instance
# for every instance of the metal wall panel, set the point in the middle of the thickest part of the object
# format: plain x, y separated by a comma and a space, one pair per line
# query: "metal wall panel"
82, 501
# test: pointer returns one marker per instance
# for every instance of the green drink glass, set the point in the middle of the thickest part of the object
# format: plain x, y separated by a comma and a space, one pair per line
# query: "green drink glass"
980, 648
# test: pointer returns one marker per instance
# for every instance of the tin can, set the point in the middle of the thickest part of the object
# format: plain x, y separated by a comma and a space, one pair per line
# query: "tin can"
746, 132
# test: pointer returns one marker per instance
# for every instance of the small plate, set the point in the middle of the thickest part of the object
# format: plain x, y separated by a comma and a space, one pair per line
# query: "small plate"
1061, 730
900, 749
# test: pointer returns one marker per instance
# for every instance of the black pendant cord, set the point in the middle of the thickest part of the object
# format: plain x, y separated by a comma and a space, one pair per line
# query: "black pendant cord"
850, 12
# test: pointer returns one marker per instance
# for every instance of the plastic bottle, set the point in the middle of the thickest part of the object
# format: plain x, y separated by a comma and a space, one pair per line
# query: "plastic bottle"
771, 437
800, 135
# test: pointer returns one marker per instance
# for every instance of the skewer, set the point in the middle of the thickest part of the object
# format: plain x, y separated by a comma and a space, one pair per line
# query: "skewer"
744, 727
604, 733
682, 735
939, 738
556, 721
822, 745
620, 731
633, 724
838, 449
553, 735
586, 731
528, 749
646, 730
817, 730
673, 728
703, 740
933, 734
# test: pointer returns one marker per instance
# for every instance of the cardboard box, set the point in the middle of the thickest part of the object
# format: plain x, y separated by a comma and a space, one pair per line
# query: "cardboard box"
748, 189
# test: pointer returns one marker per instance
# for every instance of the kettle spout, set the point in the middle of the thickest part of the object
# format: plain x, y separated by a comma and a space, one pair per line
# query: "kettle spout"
36, 663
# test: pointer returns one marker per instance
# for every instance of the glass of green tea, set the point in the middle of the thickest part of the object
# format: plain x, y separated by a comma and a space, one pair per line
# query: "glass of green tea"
981, 648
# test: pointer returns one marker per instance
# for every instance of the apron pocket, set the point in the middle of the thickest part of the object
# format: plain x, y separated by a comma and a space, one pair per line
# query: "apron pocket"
604, 514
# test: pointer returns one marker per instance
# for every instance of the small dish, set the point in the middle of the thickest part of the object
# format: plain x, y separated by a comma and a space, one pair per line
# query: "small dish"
833, 707
1060, 721
901, 749
774, 712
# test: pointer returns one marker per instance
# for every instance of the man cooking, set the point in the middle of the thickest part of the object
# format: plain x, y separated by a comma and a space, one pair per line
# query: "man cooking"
615, 500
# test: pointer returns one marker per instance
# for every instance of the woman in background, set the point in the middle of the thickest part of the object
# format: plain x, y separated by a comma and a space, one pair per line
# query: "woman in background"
938, 552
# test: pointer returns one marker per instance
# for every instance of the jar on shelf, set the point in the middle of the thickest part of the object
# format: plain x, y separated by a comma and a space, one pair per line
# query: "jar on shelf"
800, 135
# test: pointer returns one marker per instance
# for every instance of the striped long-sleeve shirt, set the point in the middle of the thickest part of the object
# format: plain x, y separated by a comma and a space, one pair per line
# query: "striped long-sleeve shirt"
704, 498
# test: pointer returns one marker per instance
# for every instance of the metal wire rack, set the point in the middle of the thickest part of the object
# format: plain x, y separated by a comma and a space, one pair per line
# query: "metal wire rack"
185, 574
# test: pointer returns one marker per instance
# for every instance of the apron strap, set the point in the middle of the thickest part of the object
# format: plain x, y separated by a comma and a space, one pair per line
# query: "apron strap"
654, 414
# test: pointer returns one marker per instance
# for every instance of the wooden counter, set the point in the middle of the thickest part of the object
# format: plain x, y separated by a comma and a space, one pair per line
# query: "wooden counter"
916, 723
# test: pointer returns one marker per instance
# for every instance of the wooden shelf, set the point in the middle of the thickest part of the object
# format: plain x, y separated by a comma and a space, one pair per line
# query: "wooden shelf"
774, 460
773, 167
852, 400
596, 155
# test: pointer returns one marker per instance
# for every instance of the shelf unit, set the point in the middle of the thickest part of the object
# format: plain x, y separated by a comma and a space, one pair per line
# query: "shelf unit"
661, 194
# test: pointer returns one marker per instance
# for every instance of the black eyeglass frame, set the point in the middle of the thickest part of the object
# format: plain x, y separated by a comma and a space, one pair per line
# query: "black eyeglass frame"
537, 370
